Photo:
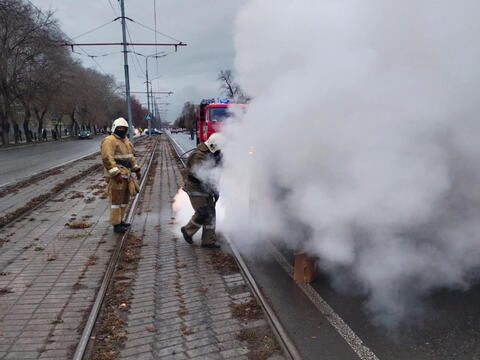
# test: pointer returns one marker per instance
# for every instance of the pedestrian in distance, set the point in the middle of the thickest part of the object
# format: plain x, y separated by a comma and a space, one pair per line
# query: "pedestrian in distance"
44, 135
202, 190
119, 164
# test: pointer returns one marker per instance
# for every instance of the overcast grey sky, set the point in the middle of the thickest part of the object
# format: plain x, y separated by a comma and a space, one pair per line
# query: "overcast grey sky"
205, 25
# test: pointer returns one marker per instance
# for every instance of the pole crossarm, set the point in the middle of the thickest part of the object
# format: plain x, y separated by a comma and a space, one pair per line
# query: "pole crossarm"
151, 92
72, 45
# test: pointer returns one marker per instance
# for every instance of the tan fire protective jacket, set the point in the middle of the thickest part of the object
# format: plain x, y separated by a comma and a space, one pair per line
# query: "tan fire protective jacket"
117, 156
200, 157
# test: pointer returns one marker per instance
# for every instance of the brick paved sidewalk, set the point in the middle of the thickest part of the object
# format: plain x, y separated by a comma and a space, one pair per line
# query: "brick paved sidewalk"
50, 273
180, 305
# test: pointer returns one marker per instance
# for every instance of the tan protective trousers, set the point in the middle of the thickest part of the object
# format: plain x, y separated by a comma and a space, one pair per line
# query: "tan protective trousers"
119, 197
204, 216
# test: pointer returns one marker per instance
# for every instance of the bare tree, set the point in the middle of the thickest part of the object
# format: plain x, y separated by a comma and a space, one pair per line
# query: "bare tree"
40, 80
23, 35
187, 117
230, 88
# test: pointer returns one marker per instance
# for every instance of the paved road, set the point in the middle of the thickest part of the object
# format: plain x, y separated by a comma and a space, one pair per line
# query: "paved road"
183, 139
449, 329
18, 163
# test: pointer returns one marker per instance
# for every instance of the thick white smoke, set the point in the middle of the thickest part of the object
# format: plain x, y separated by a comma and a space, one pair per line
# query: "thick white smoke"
365, 138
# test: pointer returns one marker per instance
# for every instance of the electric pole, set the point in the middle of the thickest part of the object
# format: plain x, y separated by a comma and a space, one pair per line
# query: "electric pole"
127, 78
148, 100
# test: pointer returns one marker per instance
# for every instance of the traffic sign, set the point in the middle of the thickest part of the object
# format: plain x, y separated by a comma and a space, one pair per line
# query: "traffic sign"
148, 117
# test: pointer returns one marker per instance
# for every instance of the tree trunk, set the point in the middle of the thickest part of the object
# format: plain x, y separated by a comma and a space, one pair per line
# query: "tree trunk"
26, 122
5, 133
60, 126
4, 122
40, 117
16, 133
74, 124
39, 129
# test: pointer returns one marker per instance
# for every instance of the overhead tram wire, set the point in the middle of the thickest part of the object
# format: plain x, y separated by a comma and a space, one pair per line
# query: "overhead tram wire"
93, 30
93, 59
113, 8
138, 71
155, 24
97, 56
154, 30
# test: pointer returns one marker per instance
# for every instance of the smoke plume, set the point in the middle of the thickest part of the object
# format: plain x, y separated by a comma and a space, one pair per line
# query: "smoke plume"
361, 142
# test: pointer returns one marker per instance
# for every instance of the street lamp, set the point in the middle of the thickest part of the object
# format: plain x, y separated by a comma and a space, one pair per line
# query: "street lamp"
156, 55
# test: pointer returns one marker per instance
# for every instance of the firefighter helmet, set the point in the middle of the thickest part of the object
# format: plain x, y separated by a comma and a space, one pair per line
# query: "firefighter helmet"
119, 122
215, 142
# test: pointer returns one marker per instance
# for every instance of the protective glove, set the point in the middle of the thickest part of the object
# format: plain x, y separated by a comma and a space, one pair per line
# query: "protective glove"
139, 175
216, 195
118, 178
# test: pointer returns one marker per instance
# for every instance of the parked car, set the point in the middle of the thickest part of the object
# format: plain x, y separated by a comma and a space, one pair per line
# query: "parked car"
154, 132
85, 134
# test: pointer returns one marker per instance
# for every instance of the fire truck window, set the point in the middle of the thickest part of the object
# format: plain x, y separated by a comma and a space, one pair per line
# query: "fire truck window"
219, 114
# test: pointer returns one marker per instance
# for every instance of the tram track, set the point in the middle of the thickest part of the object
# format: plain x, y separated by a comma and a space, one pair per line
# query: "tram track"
283, 338
50, 268
85, 338
10, 214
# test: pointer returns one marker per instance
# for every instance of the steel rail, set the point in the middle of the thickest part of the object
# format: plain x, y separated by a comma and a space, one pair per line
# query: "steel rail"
53, 168
280, 332
49, 197
92, 318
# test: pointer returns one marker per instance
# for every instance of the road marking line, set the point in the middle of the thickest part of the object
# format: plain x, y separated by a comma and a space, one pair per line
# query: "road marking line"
333, 318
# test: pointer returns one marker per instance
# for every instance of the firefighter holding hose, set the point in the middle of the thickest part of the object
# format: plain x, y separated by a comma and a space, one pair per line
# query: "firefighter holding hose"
202, 190
119, 163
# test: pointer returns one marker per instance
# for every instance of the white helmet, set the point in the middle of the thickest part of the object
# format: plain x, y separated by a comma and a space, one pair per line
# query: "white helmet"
119, 122
215, 142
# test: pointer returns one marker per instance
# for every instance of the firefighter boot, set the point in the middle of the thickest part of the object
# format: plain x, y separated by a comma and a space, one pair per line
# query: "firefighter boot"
187, 237
119, 229
211, 246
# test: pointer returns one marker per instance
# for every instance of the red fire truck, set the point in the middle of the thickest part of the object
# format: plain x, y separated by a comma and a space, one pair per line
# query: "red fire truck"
211, 116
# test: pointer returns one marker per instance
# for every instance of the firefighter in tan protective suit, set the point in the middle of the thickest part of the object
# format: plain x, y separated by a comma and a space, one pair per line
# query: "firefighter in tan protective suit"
202, 190
119, 162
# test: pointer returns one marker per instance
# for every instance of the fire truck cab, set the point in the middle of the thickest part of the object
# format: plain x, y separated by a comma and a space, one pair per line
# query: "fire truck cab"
211, 116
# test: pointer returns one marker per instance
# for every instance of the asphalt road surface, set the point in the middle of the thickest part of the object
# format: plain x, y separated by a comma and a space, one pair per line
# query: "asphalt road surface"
449, 328
20, 162
184, 141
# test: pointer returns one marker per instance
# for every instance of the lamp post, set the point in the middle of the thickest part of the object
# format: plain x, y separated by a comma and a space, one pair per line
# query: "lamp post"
156, 55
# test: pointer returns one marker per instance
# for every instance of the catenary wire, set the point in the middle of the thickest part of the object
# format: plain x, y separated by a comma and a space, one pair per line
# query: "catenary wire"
93, 59
138, 72
113, 8
94, 29
156, 31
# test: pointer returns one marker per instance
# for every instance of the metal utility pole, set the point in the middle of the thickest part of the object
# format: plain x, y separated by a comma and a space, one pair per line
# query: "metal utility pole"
127, 77
149, 90
148, 100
